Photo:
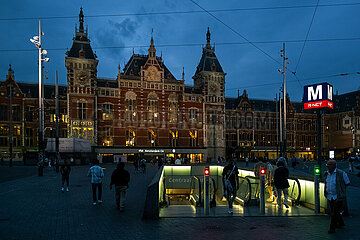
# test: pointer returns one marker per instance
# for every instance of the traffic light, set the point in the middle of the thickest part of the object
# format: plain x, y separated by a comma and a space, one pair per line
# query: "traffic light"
262, 171
317, 170
206, 171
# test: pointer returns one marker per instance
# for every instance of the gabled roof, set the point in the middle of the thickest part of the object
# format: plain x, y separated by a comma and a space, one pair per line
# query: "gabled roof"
192, 90
133, 66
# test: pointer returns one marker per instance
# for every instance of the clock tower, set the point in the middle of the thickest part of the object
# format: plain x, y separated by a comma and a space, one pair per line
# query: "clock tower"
81, 65
209, 78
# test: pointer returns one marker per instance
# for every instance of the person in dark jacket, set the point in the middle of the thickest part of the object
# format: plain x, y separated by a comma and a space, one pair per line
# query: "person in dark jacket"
281, 183
120, 178
65, 175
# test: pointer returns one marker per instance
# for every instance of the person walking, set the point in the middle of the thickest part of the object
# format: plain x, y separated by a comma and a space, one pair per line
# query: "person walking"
230, 183
97, 174
120, 178
65, 175
336, 182
281, 183
293, 162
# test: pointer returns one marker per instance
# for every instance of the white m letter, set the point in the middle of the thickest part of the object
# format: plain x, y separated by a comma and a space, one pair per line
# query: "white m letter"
315, 95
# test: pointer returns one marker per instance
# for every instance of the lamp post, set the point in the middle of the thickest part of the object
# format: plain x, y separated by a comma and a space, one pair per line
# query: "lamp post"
36, 40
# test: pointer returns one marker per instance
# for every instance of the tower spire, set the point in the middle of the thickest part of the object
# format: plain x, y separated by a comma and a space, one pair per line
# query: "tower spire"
208, 38
152, 50
81, 20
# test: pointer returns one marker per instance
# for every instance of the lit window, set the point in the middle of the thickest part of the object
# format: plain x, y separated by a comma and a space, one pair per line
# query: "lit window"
108, 112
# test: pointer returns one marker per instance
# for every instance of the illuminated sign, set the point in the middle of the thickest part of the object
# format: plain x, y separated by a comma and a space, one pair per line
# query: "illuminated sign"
151, 151
206, 171
262, 171
318, 96
331, 154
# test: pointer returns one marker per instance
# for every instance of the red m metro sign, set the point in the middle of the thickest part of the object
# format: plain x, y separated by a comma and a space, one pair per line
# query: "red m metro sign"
318, 96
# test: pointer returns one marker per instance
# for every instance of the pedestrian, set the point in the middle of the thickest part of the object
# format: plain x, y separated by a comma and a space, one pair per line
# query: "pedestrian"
269, 179
247, 162
97, 174
177, 161
336, 182
351, 163
293, 162
230, 183
65, 175
281, 183
120, 178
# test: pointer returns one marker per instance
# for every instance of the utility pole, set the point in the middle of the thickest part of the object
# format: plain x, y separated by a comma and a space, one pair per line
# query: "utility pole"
11, 129
283, 72
281, 126
277, 128
57, 122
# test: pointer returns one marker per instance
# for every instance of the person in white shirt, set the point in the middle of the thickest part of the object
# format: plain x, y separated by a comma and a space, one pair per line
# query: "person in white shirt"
336, 182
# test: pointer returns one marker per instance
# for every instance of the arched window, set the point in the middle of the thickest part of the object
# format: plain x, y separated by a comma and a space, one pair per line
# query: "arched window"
107, 111
152, 137
173, 108
153, 107
173, 136
130, 137
193, 138
130, 106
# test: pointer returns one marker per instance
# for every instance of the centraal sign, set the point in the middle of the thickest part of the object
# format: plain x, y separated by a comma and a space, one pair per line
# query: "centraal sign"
318, 96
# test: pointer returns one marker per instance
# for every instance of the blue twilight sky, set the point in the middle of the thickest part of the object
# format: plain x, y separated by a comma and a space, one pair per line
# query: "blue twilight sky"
246, 66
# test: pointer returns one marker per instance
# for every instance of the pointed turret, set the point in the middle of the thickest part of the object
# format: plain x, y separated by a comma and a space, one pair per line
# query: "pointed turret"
152, 50
209, 61
10, 73
81, 20
81, 47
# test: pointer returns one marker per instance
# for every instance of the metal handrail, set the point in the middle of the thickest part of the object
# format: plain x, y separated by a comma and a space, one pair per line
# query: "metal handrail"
213, 200
247, 197
191, 187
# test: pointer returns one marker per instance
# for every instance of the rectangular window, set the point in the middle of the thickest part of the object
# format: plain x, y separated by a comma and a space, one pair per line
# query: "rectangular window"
193, 115
16, 113
3, 113
108, 112
81, 110
193, 138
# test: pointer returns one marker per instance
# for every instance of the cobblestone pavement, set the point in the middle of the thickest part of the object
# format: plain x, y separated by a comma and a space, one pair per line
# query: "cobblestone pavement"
35, 208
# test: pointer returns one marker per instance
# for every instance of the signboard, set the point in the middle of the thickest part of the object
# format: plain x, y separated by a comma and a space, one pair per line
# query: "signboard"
318, 96
331, 154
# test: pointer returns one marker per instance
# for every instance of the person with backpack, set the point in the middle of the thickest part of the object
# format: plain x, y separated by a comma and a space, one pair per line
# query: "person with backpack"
120, 178
65, 175
97, 174
281, 183
230, 183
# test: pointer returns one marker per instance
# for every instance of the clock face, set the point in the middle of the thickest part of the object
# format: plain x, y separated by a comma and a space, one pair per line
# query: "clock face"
82, 78
213, 88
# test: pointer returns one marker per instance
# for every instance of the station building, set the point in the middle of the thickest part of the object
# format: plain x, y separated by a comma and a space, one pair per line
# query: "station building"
146, 112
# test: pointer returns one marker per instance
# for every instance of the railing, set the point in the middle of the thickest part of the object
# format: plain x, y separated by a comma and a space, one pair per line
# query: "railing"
294, 190
195, 191
244, 191
213, 193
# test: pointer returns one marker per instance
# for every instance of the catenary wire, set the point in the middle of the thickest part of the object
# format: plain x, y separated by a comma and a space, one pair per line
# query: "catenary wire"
195, 44
180, 12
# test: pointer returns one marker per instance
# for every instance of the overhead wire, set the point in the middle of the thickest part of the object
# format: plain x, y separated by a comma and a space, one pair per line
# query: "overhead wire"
179, 12
307, 35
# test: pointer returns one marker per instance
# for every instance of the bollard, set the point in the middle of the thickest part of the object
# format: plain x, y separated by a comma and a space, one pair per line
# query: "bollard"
316, 188
262, 190
206, 191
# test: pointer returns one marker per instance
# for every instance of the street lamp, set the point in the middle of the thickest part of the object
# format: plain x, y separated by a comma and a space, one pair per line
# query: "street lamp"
36, 40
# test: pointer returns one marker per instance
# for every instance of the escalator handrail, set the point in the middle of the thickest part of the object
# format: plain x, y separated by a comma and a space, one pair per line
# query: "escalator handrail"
299, 187
249, 184
214, 195
291, 178
164, 191
191, 184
